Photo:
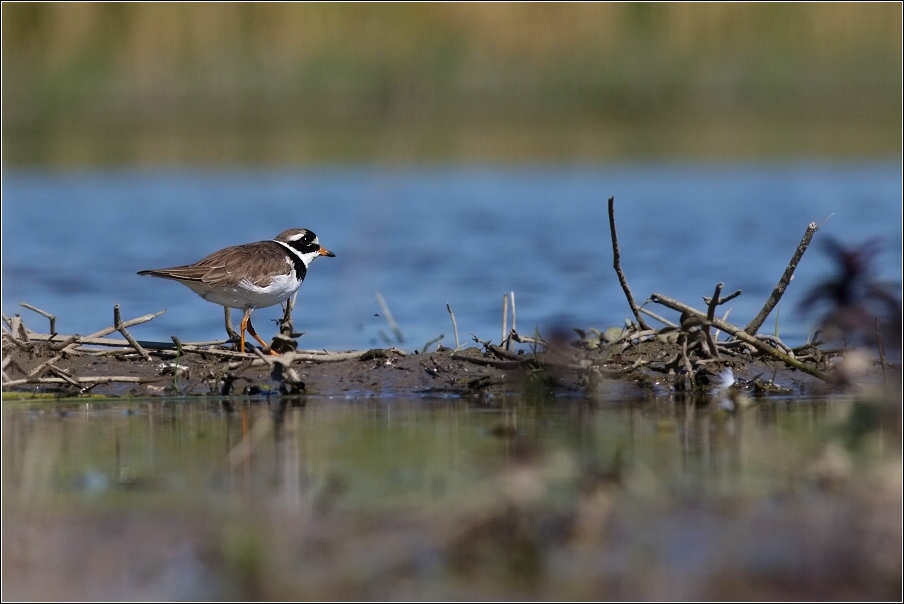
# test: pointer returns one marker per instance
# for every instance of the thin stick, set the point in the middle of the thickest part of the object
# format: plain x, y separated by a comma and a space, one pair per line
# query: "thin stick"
881, 352
39, 337
61, 345
740, 334
333, 357
504, 319
779, 290
529, 340
723, 299
388, 316
103, 332
724, 318
62, 374
710, 315
432, 342
454, 325
43, 313
616, 264
129, 323
117, 323
42, 368
662, 320
774, 340
81, 380
513, 310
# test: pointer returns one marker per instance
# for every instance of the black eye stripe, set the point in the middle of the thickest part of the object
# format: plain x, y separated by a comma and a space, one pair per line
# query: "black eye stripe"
304, 245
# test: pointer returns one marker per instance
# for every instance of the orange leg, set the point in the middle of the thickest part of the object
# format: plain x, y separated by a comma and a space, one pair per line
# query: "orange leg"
242, 327
246, 324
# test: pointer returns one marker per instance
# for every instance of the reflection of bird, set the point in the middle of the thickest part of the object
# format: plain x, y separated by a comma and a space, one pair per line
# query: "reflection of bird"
731, 396
854, 297
249, 276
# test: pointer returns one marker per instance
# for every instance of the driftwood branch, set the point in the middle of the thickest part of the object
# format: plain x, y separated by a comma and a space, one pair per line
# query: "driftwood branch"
710, 315
616, 264
454, 325
723, 299
121, 328
129, 323
43, 313
782, 284
91, 341
504, 319
81, 380
432, 342
740, 334
653, 315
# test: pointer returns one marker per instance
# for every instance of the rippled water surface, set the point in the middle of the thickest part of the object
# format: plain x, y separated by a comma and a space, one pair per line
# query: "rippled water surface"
73, 241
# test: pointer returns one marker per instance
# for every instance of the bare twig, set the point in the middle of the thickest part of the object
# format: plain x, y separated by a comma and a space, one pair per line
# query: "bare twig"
616, 264
713, 302
725, 316
103, 332
65, 375
117, 323
505, 330
494, 363
723, 299
881, 352
662, 320
454, 325
740, 334
513, 309
61, 345
388, 316
129, 323
775, 341
81, 380
528, 340
43, 313
92, 341
710, 315
779, 290
432, 342
312, 357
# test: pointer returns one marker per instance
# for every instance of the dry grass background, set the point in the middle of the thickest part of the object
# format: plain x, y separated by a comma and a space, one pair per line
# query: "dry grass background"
301, 83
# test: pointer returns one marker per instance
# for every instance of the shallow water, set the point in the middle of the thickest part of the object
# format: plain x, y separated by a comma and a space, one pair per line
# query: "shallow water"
439, 498
73, 241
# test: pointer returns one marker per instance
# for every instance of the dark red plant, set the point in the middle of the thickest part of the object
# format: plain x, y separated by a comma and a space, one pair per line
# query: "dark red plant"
852, 299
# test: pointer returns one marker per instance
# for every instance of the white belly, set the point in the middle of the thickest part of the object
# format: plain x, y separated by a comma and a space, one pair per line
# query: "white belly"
246, 294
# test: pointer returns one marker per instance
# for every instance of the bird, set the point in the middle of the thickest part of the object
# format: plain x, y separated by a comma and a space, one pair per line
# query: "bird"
251, 275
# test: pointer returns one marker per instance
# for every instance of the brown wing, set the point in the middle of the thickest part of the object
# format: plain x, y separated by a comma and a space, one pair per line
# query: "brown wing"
258, 262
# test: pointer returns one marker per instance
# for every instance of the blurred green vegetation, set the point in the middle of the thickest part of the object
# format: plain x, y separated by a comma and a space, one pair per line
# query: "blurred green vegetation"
140, 84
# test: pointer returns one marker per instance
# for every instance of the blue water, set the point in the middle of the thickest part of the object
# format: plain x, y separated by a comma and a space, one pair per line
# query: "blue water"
73, 241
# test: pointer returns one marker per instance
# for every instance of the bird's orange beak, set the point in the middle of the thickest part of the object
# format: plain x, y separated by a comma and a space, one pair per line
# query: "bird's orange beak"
325, 252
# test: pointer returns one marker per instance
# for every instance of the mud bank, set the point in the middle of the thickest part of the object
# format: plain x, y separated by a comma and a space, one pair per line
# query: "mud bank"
649, 365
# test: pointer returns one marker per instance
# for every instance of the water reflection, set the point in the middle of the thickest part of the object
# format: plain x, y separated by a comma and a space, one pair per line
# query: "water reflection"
381, 453
324, 498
